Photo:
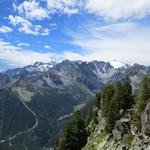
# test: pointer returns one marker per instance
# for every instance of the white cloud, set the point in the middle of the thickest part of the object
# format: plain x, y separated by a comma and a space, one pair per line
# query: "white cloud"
15, 20
7, 46
70, 11
116, 27
47, 46
59, 4
17, 57
112, 9
127, 42
23, 44
32, 10
73, 56
26, 26
5, 29
117, 9
64, 6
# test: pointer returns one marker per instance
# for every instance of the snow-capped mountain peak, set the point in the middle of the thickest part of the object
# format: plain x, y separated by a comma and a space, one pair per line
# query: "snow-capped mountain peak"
39, 66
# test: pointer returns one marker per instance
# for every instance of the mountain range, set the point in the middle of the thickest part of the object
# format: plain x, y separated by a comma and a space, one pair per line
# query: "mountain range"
37, 100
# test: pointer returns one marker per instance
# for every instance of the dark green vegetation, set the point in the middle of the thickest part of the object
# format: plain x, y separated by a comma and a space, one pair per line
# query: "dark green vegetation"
48, 108
144, 95
75, 135
127, 140
55, 105
113, 102
117, 98
7, 148
142, 100
14, 117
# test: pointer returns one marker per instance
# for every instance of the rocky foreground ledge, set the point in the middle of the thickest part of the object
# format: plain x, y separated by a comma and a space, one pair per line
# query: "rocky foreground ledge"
125, 135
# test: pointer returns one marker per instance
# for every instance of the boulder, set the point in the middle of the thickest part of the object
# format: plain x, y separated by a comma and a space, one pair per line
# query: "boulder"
120, 129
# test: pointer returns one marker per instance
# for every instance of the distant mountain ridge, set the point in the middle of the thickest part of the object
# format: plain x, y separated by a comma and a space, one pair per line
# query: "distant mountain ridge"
52, 91
40, 66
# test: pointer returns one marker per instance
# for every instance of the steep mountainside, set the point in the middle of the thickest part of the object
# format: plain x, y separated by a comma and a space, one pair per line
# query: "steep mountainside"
47, 94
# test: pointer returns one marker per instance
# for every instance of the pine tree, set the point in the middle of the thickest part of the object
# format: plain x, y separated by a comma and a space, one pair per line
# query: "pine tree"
111, 117
98, 100
89, 117
119, 101
75, 135
142, 99
123, 95
107, 95
128, 100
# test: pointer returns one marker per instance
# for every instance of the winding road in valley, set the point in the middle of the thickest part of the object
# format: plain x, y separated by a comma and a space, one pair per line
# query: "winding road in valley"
9, 139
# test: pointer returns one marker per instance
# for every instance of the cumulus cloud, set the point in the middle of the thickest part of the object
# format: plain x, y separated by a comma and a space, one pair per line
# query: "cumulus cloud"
117, 9
64, 6
32, 10
112, 9
26, 26
5, 29
15, 20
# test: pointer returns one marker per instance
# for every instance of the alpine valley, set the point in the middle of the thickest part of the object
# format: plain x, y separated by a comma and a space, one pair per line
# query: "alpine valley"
37, 100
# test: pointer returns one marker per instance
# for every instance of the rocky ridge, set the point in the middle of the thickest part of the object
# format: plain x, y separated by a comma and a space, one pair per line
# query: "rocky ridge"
125, 135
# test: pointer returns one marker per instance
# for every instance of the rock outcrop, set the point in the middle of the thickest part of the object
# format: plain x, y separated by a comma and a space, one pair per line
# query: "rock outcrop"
120, 129
145, 119
125, 135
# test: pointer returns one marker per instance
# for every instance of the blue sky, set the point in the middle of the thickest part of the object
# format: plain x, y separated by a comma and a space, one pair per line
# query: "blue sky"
45, 30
